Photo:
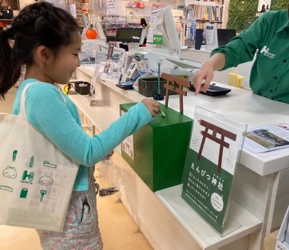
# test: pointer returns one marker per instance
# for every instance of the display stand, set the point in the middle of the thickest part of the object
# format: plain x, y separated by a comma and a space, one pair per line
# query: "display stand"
210, 167
91, 96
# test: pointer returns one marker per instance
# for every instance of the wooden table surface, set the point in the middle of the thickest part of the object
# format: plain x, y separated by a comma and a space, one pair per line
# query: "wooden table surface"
270, 241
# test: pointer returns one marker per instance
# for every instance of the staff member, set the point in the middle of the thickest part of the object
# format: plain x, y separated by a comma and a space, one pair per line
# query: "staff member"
268, 38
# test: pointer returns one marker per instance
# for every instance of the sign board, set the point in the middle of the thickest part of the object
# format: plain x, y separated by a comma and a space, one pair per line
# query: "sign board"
155, 26
211, 36
215, 146
112, 7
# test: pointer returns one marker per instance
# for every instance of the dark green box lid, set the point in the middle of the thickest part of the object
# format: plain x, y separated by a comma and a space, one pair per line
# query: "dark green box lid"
172, 116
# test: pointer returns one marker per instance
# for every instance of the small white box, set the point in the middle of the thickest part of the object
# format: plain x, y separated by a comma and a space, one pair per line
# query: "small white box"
283, 235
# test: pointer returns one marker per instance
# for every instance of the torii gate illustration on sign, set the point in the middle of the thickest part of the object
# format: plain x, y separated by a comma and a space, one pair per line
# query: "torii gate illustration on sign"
215, 130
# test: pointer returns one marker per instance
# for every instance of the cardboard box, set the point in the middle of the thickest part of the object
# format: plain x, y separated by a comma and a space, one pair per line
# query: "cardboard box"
283, 235
157, 152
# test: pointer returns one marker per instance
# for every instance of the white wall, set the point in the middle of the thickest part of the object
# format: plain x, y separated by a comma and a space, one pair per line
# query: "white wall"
23, 3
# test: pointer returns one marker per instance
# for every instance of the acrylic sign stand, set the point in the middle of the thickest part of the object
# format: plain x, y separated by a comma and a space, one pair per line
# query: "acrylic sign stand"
91, 96
208, 178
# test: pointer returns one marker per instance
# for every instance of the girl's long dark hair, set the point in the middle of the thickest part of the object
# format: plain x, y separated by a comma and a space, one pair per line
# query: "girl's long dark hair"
37, 24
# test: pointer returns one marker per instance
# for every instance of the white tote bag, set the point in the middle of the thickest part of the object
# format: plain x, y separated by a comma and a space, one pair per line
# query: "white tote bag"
36, 178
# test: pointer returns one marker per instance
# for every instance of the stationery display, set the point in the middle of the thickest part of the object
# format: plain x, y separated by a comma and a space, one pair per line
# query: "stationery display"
36, 178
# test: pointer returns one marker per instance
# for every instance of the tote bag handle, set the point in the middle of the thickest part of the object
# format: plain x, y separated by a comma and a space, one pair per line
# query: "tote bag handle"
22, 100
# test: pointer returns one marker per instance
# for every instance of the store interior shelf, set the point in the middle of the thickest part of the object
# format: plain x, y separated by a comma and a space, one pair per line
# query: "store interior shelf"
200, 230
188, 2
207, 21
129, 7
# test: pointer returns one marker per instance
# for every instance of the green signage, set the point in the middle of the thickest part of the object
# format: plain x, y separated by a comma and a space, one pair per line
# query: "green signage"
210, 165
206, 190
158, 39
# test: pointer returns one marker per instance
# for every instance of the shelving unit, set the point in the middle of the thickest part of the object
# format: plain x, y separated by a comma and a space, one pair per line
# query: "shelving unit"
132, 12
210, 11
110, 24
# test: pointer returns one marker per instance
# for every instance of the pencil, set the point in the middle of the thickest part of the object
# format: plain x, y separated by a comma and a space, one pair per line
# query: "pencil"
163, 114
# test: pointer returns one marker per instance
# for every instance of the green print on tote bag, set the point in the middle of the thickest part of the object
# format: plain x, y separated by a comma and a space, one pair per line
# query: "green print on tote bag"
36, 178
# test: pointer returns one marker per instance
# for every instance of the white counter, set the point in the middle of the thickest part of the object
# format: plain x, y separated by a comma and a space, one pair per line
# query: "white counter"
219, 76
260, 195
240, 105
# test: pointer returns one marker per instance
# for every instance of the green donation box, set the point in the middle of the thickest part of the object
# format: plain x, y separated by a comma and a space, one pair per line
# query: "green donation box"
157, 152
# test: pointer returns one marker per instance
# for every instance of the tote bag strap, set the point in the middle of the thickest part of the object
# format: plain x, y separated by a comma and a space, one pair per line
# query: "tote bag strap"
22, 100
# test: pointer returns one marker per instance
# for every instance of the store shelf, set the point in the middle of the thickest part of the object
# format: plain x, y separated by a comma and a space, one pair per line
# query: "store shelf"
129, 95
208, 21
210, 12
128, 7
239, 224
208, 3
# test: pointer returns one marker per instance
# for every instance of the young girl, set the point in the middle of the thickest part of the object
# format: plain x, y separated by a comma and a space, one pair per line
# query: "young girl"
47, 41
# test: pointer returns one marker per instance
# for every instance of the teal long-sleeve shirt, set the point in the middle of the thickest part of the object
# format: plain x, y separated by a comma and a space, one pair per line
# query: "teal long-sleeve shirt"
59, 121
269, 35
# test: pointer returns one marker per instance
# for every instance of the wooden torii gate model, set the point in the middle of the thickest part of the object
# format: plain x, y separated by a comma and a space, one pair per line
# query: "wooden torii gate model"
172, 82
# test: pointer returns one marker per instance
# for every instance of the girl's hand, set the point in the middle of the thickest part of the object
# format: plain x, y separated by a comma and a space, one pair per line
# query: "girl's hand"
153, 106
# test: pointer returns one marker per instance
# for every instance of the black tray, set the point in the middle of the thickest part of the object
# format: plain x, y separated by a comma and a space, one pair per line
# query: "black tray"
82, 87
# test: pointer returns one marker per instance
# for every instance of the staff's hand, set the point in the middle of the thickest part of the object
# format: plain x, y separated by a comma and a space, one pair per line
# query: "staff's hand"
153, 106
202, 79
